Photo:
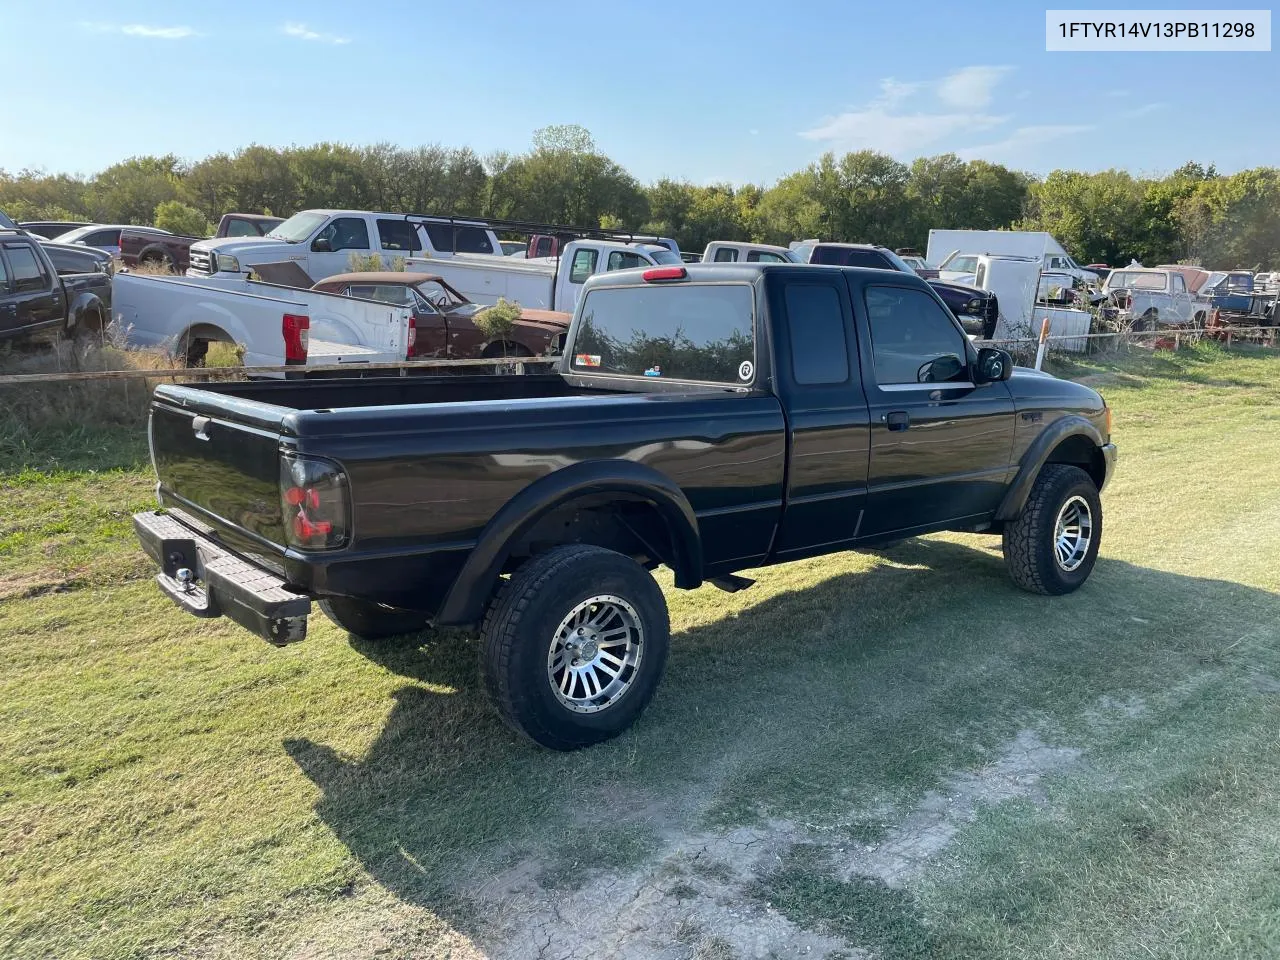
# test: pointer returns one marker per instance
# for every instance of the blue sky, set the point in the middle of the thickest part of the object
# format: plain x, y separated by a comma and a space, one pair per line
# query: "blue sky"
740, 91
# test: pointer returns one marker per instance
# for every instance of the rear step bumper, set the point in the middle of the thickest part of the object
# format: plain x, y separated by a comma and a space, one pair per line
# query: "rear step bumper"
207, 580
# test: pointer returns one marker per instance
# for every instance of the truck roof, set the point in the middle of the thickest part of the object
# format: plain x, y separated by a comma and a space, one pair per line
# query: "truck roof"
460, 221
747, 272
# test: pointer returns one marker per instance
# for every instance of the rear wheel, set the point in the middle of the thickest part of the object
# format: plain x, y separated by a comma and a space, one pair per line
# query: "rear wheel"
1053, 544
574, 646
513, 350
371, 621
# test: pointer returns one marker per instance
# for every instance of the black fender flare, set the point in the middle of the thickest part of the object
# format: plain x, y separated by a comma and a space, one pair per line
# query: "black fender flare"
83, 302
1037, 455
473, 587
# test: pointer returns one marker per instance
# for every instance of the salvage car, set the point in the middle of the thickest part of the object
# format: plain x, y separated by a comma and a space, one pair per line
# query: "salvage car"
104, 236
711, 419
444, 320
141, 245
1147, 297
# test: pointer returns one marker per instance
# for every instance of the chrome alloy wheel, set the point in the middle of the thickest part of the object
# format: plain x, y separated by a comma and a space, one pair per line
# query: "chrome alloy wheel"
1073, 533
595, 653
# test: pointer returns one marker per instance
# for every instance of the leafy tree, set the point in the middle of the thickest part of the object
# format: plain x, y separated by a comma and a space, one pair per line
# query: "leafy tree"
130, 191
176, 217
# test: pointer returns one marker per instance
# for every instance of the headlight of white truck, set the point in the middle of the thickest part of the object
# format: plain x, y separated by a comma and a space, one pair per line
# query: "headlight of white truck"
228, 263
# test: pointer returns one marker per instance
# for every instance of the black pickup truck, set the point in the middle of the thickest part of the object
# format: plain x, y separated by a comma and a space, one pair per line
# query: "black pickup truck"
712, 419
34, 297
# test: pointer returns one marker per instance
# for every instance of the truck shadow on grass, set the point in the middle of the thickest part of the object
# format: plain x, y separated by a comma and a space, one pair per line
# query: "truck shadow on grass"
855, 693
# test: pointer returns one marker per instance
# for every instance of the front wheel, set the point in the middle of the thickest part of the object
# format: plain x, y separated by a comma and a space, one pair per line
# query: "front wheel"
1052, 546
574, 646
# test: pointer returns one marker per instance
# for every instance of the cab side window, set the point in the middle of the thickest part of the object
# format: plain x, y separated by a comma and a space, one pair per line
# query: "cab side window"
620, 260
913, 339
584, 265
346, 233
816, 333
726, 255
398, 235
28, 272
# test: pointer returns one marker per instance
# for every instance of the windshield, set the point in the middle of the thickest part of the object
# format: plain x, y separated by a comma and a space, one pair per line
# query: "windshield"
664, 256
802, 253
1137, 281
898, 262
298, 227
1240, 281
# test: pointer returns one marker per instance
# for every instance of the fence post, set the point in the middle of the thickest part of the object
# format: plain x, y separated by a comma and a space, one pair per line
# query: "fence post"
1044, 342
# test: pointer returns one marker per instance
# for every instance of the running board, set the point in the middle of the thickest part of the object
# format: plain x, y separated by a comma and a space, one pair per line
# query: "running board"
731, 583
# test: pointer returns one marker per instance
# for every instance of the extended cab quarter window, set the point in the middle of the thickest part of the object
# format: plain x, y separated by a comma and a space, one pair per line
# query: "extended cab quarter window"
913, 339
764, 256
815, 329
346, 233
382, 292
28, 271
398, 235
675, 332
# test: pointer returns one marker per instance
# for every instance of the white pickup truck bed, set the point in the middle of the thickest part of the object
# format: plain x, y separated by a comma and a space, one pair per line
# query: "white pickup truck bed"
170, 312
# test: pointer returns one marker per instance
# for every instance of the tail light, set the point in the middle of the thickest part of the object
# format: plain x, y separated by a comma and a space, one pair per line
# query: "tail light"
413, 337
297, 334
315, 502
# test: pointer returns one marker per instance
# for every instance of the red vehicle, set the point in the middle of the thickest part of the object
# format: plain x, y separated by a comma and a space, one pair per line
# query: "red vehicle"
138, 247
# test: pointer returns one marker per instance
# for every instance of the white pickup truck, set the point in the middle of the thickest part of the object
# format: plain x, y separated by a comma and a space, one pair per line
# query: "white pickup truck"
731, 251
321, 242
542, 283
1149, 297
276, 325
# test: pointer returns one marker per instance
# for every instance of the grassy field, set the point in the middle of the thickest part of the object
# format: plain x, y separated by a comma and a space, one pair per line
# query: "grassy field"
893, 754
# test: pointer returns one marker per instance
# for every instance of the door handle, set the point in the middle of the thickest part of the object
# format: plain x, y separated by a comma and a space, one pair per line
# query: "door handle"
897, 420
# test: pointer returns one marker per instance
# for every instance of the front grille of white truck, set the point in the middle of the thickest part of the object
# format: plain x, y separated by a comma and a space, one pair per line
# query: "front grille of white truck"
201, 262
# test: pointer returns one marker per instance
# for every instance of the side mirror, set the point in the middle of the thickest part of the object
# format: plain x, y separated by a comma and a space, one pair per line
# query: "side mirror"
321, 245
993, 365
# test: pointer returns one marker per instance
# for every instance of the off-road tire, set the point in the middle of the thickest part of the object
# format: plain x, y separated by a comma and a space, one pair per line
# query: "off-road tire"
523, 620
1029, 540
372, 621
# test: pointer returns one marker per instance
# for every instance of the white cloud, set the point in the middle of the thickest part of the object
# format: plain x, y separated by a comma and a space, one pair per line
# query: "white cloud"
884, 124
1019, 144
302, 32
142, 30
970, 87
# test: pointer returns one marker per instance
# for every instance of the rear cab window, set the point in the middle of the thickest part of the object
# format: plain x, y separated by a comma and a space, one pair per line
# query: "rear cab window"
693, 332
398, 235
458, 238
242, 228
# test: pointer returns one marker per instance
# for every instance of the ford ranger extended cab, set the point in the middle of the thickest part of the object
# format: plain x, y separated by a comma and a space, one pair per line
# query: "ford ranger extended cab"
711, 419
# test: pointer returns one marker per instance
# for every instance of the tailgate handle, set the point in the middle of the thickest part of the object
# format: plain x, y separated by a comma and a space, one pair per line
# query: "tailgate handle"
200, 425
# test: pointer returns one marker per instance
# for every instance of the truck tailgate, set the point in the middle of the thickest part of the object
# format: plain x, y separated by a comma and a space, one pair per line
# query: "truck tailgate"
219, 457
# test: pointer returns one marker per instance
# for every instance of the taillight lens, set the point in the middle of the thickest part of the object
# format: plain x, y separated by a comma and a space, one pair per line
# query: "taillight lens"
297, 334
413, 336
315, 502
665, 273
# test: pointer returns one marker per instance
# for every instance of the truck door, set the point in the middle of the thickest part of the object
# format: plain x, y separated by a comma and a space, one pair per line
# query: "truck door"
1182, 306
332, 247
816, 373
941, 447
37, 297
576, 265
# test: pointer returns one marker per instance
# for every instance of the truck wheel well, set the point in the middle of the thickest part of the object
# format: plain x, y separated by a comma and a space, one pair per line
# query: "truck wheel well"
1080, 451
623, 523
193, 345
506, 348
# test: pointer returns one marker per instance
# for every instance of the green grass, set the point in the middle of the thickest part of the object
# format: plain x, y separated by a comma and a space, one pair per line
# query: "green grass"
176, 788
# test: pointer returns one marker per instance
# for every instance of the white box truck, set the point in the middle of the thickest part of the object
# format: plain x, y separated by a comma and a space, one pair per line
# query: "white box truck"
955, 252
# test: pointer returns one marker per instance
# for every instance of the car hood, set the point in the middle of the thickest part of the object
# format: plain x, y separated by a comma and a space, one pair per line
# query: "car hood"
961, 287
1039, 387
259, 248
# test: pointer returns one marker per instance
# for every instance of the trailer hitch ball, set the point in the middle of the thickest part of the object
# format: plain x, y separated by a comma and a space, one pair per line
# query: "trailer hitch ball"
185, 577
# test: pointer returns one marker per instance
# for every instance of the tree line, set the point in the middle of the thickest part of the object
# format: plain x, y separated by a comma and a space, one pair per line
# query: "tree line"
1194, 214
